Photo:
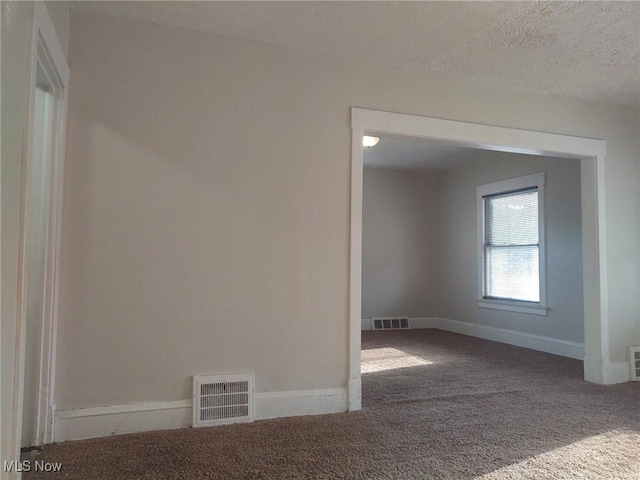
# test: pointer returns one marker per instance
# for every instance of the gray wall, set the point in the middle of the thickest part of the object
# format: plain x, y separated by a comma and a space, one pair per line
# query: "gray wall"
398, 242
206, 221
457, 244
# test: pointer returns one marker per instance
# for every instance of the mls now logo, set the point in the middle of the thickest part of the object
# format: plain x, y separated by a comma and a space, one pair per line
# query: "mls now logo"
27, 466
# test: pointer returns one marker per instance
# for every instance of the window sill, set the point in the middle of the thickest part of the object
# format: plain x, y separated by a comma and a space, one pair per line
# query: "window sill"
514, 306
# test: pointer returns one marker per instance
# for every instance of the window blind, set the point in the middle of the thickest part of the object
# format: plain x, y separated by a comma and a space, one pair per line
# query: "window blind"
511, 246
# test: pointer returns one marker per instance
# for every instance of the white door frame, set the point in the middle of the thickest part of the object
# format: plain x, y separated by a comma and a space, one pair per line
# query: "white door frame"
46, 51
591, 154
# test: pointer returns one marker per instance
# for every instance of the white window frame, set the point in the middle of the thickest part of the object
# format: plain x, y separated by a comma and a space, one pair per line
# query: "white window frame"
536, 180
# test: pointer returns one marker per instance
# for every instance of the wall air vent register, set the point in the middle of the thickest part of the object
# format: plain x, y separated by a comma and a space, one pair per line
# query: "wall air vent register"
390, 323
223, 399
634, 363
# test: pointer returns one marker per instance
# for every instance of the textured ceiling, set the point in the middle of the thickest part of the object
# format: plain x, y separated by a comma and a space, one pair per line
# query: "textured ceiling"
408, 153
589, 50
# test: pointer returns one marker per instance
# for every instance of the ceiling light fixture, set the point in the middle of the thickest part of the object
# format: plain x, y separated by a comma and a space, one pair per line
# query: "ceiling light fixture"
368, 141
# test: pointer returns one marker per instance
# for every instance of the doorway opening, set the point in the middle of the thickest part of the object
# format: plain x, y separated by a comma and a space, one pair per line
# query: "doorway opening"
588, 152
426, 230
41, 214
36, 238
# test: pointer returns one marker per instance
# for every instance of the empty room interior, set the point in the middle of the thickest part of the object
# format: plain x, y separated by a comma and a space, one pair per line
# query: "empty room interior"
374, 240
420, 243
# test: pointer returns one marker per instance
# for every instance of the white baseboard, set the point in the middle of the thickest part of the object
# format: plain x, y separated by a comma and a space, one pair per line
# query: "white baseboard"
300, 402
82, 423
613, 373
593, 369
556, 346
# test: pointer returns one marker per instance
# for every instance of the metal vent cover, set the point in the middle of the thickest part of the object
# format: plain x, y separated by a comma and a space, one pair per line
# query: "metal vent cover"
222, 399
634, 362
390, 323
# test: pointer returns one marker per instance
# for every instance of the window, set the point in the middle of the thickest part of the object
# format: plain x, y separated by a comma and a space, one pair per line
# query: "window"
511, 245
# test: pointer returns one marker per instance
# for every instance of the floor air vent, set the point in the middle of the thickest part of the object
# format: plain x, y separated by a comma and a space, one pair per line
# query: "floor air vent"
634, 359
390, 323
222, 399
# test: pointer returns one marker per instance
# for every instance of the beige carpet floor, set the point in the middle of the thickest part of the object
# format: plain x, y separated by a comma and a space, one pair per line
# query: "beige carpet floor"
437, 405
